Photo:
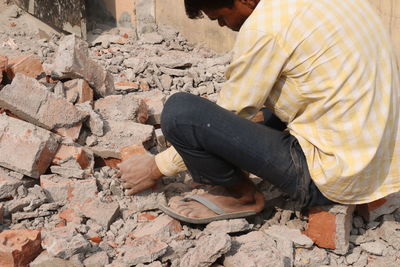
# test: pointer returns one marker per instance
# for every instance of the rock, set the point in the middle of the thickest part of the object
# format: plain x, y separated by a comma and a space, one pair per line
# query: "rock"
95, 122
227, 226
354, 255
72, 61
19, 247
294, 235
143, 250
8, 185
207, 250
389, 231
152, 38
255, 249
311, 257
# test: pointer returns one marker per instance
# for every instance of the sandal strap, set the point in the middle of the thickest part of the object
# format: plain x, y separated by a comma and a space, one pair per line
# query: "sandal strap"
206, 202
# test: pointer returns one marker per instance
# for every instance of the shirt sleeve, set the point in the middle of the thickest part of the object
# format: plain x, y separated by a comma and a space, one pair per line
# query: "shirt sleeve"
257, 63
169, 162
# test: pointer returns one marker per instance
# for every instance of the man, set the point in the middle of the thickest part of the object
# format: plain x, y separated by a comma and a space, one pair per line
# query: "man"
327, 73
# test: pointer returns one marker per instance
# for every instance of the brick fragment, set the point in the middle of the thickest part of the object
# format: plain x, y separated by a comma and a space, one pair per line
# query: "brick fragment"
163, 227
119, 134
142, 250
81, 155
377, 208
78, 89
41, 108
29, 65
21, 140
128, 151
60, 189
70, 215
330, 226
72, 61
102, 213
155, 101
45, 260
19, 247
121, 108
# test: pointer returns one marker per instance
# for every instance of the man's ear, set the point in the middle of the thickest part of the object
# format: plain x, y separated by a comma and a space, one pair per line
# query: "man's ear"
250, 3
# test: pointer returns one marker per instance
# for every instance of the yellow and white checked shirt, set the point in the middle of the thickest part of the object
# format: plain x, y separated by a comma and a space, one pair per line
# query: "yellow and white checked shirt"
327, 68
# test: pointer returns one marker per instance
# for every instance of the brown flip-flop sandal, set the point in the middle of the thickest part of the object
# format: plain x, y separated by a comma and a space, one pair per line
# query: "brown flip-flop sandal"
222, 215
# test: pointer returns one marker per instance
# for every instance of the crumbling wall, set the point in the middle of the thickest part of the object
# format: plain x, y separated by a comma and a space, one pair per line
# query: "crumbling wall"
66, 15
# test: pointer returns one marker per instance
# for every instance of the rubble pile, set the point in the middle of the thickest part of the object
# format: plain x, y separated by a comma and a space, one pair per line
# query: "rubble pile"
71, 110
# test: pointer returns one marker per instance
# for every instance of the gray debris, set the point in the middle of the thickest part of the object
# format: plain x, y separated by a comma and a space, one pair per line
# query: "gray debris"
294, 235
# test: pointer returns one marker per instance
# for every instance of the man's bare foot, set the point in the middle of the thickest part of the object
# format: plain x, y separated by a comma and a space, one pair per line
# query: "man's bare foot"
242, 197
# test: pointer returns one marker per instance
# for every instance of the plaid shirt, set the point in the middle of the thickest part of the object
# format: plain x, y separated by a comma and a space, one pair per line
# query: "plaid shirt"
327, 68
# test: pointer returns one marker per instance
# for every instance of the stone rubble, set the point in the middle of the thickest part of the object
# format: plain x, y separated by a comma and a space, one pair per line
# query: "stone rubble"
61, 202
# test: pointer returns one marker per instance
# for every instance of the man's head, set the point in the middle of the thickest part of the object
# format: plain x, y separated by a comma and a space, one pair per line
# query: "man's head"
230, 13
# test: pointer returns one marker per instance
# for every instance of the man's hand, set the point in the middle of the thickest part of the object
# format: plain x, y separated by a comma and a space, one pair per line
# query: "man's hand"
138, 173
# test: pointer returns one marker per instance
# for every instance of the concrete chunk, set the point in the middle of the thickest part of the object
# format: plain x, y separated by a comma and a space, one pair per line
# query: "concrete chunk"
60, 189
162, 227
64, 242
143, 250
294, 235
21, 140
121, 108
102, 213
207, 250
119, 134
254, 249
42, 107
72, 61
78, 91
95, 122
8, 186
227, 226
45, 260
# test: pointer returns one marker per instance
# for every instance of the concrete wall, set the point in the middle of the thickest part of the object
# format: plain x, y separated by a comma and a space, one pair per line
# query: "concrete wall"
172, 12
123, 11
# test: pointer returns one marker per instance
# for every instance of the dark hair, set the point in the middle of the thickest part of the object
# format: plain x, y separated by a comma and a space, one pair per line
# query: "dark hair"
194, 7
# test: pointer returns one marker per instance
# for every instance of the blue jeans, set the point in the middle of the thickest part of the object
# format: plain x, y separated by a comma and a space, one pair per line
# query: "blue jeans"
217, 145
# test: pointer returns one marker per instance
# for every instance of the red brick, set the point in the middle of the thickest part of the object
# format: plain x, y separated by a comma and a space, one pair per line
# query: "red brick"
29, 65
71, 133
21, 140
145, 217
79, 153
377, 208
19, 247
70, 216
329, 227
128, 151
155, 101
80, 87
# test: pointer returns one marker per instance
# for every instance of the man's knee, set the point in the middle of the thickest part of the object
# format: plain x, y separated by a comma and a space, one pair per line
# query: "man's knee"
176, 108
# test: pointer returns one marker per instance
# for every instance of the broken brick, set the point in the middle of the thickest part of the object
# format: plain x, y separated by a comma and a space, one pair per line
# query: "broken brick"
128, 151
330, 226
155, 101
19, 247
377, 208
21, 140
71, 133
143, 250
28, 65
102, 213
163, 227
8, 186
42, 107
60, 189
72, 61
78, 89
79, 153
128, 133
1, 213
121, 108
70, 216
